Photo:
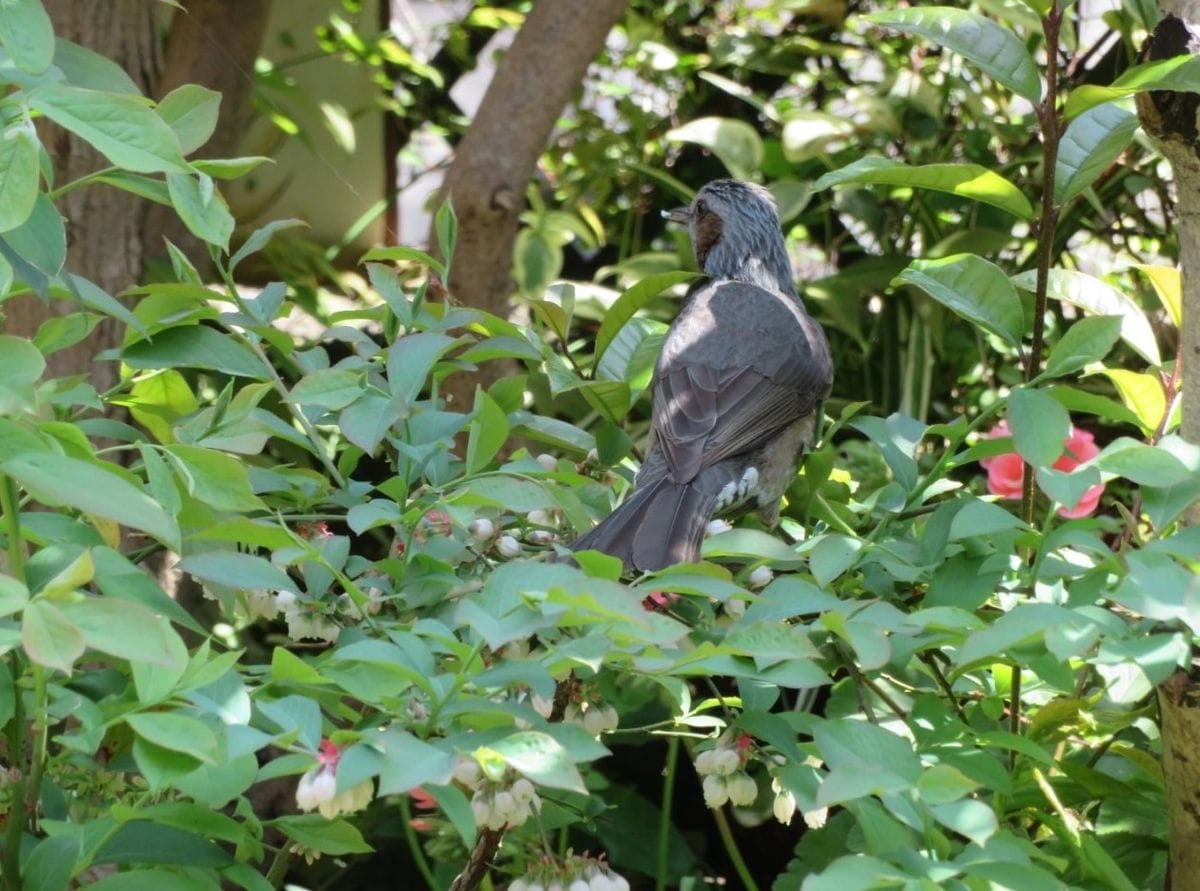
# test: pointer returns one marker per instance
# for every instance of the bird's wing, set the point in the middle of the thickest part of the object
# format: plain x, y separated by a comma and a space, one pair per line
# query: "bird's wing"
740, 364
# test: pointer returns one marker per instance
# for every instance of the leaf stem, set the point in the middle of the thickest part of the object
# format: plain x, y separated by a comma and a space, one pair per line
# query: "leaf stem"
1052, 130
414, 844
731, 848
664, 819
15, 729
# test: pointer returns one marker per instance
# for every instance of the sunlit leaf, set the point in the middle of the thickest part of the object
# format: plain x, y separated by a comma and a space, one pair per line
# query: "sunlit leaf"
735, 142
965, 180
1088, 340
633, 300
996, 50
1168, 285
1179, 74
1101, 299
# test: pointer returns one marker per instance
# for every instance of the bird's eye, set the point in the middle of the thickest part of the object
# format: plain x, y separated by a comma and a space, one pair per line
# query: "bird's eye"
701, 208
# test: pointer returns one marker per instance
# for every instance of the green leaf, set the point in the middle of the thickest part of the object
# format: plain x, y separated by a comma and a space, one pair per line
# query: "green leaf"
965, 180
57, 480
1143, 464
19, 175
735, 142
48, 636
83, 67
541, 758
27, 34
175, 732
214, 478
488, 432
410, 762
410, 359
123, 128
238, 571
1142, 394
969, 818
70, 578
260, 238
401, 254
1040, 425
106, 624
1091, 143
201, 207
445, 224
13, 595
153, 880
1101, 299
457, 809
631, 301
94, 297
191, 111
333, 837
975, 289
1168, 285
994, 49
195, 346
331, 388
41, 241
51, 863
1179, 74
1088, 340
21, 364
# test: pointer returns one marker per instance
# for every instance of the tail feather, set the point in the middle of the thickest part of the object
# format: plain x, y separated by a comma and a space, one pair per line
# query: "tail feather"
659, 524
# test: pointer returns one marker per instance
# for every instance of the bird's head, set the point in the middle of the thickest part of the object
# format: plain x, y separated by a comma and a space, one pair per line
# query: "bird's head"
735, 234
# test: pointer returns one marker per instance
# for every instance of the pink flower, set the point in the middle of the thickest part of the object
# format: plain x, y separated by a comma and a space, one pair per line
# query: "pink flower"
659, 601
1007, 471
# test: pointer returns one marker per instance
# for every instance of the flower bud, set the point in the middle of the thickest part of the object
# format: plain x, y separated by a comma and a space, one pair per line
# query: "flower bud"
617, 882
742, 789
523, 791
539, 517
716, 527
735, 607
508, 546
540, 536
593, 721
727, 762
784, 807
715, 793
481, 809
549, 462
316, 788
541, 705
285, 600
466, 771
505, 804
518, 885
705, 763
482, 529
579, 885
760, 577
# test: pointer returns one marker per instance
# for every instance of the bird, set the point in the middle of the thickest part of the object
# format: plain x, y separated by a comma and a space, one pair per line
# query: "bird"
737, 389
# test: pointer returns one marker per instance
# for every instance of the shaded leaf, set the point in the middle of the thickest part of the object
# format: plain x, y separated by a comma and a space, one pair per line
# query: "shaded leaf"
1092, 142
1040, 425
975, 289
1088, 340
735, 142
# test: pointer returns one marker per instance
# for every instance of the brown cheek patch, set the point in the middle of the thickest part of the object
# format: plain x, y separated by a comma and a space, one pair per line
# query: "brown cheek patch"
708, 233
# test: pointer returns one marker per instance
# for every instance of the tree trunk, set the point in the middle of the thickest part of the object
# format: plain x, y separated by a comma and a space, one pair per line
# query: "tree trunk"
495, 160
1170, 120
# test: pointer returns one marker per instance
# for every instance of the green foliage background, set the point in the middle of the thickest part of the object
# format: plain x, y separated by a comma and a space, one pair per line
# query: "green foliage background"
990, 719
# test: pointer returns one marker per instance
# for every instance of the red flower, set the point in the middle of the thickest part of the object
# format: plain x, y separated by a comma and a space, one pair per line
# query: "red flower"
328, 754
1006, 472
421, 799
659, 601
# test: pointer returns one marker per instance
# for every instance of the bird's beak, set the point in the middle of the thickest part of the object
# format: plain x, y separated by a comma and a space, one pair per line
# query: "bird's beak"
678, 214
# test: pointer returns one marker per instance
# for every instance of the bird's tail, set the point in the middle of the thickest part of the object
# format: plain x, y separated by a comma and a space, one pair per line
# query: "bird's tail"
658, 525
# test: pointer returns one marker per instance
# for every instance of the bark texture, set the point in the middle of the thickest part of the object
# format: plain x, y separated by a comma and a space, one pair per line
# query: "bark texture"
1171, 121
495, 160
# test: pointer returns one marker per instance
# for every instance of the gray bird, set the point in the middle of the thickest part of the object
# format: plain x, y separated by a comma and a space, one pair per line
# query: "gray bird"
737, 390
